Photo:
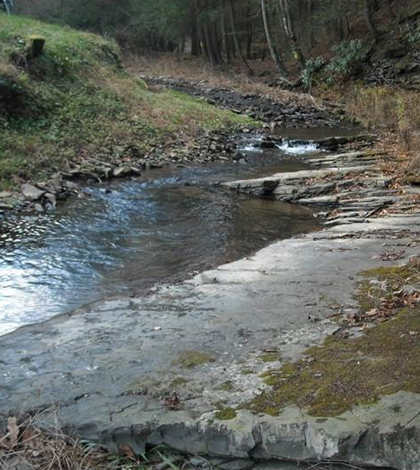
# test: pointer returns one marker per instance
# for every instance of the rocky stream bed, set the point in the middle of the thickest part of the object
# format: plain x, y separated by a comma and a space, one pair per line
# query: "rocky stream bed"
180, 364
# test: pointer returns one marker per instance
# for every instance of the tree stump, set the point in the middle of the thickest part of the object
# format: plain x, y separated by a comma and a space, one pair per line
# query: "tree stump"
35, 46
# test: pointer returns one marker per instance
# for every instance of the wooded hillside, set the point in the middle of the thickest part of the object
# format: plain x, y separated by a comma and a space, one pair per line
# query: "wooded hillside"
291, 32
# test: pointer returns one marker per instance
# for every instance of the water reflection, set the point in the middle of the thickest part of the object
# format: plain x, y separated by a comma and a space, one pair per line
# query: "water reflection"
134, 234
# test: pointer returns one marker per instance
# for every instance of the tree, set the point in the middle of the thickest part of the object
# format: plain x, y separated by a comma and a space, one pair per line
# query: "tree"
238, 49
290, 32
277, 58
368, 11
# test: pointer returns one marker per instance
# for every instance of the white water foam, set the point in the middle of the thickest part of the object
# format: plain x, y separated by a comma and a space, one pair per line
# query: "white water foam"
251, 148
300, 149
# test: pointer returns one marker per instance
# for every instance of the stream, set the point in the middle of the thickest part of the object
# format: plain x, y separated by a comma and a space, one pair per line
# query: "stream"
126, 236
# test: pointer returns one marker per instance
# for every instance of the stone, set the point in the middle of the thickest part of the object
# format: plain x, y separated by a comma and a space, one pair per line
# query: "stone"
52, 199
200, 462
320, 201
237, 464
120, 171
31, 192
278, 465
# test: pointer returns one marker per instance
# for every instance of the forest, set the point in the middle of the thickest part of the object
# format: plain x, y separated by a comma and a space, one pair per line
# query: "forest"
224, 30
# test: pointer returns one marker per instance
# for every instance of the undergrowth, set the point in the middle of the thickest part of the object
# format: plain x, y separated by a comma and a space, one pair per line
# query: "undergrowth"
390, 109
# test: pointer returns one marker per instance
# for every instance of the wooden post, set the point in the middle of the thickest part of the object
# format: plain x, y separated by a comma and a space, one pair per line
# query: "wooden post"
35, 46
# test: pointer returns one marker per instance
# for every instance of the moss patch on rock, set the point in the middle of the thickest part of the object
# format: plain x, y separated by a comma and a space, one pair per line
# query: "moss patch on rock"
341, 373
226, 414
269, 357
192, 359
227, 386
178, 382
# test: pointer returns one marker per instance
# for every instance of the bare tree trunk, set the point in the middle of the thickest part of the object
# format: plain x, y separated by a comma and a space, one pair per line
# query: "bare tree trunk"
343, 26
250, 31
244, 62
290, 32
274, 53
209, 44
310, 31
368, 10
216, 43
195, 39
225, 42
200, 29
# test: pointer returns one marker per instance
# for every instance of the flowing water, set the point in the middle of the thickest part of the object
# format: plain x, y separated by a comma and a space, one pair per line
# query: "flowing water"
127, 236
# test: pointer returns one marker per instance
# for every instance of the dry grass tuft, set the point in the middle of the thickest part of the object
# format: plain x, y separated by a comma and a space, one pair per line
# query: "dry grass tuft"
395, 114
24, 445
391, 109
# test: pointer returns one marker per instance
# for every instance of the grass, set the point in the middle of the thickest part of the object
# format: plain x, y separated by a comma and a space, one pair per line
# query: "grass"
395, 114
389, 108
341, 373
76, 100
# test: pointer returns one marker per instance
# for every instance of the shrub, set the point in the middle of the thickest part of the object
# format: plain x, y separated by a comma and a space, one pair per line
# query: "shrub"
312, 66
348, 59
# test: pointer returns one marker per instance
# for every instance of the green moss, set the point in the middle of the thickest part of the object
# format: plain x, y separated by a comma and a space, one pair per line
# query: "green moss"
270, 357
346, 372
386, 272
247, 371
179, 382
392, 279
191, 359
226, 414
227, 386
270, 410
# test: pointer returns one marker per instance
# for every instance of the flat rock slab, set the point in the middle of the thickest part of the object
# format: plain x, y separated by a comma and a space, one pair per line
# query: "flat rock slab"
114, 366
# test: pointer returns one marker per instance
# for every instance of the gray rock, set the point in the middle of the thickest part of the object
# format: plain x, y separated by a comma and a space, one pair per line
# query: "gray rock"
320, 201
51, 199
120, 171
31, 192
237, 464
278, 465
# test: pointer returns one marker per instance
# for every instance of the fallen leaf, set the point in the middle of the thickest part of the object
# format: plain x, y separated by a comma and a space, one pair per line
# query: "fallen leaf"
126, 451
13, 431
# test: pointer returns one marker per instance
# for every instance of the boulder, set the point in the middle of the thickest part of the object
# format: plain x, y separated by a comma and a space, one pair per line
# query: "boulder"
31, 192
